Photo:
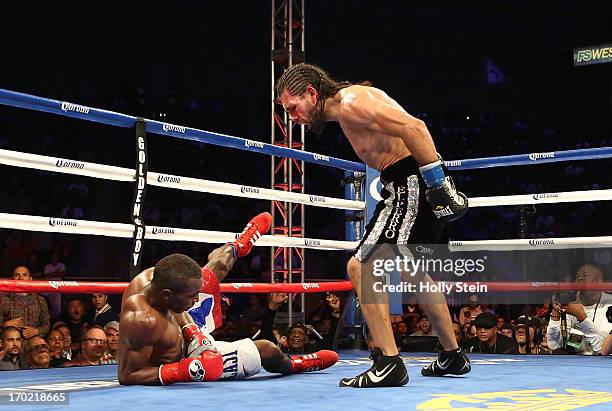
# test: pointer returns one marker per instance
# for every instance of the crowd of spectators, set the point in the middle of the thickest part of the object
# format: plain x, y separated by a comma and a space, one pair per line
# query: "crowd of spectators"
87, 332
522, 328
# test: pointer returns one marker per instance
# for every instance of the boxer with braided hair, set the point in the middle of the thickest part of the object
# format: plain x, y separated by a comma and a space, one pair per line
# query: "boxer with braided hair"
297, 80
399, 145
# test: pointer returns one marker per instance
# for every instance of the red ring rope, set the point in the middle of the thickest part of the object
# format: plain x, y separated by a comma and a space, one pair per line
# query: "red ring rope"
79, 287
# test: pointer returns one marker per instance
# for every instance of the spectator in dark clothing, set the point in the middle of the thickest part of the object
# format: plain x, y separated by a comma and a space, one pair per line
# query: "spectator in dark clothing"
328, 325
298, 334
297, 340
9, 351
254, 311
275, 300
528, 334
67, 348
35, 354
103, 312
401, 335
507, 330
488, 340
75, 320
55, 341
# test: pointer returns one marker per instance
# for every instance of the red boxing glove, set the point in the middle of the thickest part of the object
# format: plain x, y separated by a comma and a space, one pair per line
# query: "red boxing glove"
209, 367
197, 342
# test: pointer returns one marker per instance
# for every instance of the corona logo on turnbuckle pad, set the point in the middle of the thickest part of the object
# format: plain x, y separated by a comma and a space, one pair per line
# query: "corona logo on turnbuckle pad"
543, 399
172, 127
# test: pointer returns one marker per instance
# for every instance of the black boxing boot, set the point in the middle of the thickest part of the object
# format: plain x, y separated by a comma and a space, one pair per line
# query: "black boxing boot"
448, 362
387, 371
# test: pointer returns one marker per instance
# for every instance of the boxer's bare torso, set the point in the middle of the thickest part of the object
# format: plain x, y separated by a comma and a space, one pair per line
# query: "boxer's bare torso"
377, 127
375, 146
148, 336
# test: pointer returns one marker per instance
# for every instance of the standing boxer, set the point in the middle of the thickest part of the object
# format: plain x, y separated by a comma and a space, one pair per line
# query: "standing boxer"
399, 145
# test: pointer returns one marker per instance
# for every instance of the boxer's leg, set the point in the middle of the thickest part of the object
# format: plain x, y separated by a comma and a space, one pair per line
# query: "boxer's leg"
375, 308
388, 369
274, 360
434, 305
220, 261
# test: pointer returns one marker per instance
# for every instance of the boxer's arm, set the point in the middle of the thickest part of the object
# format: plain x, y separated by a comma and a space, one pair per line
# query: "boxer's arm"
138, 336
183, 319
196, 341
362, 108
136, 370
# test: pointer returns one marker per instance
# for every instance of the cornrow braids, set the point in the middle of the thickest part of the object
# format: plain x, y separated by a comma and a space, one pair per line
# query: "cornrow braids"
296, 78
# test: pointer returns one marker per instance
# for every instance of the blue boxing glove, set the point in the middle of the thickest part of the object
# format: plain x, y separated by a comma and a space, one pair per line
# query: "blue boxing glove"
446, 202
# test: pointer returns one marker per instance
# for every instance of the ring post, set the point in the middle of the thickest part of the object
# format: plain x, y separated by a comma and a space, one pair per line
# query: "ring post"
142, 166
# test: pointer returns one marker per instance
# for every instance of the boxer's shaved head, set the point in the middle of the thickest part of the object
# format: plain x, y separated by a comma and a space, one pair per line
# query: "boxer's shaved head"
174, 272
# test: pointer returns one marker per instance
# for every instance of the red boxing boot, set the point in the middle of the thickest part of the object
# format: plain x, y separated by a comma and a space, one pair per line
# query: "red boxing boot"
317, 361
258, 226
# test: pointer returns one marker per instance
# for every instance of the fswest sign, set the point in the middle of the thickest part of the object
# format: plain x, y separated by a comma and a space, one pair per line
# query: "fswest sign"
593, 55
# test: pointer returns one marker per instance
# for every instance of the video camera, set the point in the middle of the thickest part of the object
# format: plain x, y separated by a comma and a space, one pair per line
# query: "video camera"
565, 297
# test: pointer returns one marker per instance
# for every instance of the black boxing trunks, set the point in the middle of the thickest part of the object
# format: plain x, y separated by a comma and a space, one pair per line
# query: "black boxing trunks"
403, 216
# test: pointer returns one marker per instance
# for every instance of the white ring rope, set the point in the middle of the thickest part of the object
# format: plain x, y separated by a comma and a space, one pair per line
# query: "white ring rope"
526, 244
60, 165
549, 198
72, 226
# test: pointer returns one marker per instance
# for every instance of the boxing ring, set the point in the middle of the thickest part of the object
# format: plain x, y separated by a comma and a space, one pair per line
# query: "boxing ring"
492, 384
497, 382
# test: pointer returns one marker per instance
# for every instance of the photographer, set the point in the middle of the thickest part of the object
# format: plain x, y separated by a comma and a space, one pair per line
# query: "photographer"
586, 320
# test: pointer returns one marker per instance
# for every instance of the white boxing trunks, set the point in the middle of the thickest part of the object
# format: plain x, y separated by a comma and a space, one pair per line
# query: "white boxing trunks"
240, 359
